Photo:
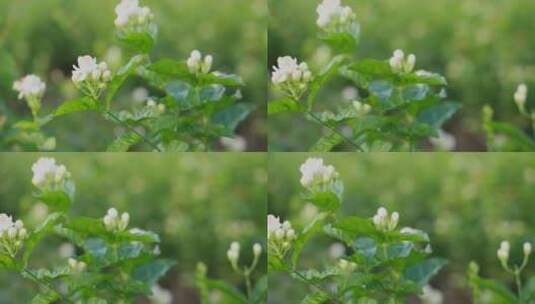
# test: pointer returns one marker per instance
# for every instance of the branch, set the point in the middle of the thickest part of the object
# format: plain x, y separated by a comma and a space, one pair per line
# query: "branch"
129, 127
347, 139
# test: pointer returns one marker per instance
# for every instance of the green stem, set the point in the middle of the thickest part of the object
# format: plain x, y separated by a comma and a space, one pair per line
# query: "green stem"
247, 276
347, 139
129, 127
45, 285
318, 287
518, 282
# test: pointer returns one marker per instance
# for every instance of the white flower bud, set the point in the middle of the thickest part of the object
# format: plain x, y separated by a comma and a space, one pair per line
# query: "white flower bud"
527, 248
207, 65
113, 213
257, 249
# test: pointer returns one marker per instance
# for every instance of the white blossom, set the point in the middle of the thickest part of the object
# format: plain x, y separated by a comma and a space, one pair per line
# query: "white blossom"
160, 295
89, 70
76, 266
521, 96
431, 296
385, 222
289, 70
400, 64
257, 249
444, 141
12, 234
527, 248
47, 172
233, 254
115, 223
130, 13
29, 87
199, 65
237, 143
313, 172
332, 13
361, 108
503, 251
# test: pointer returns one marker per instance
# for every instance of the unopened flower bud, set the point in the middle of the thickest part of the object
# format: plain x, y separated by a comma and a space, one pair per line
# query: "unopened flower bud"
527, 248
257, 249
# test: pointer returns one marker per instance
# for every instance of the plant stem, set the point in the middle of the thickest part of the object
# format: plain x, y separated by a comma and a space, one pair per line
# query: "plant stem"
129, 127
45, 285
246, 274
518, 282
347, 139
318, 287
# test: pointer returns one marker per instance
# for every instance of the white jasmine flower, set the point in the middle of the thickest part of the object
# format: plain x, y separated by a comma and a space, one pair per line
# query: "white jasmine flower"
400, 64
129, 13
362, 108
331, 13
521, 96
444, 141
12, 235
155, 108
160, 295
47, 173
197, 65
6, 223
233, 254
291, 76
313, 172
503, 251
527, 248
237, 143
115, 223
383, 221
280, 236
257, 249
431, 296
76, 266
91, 77
30, 86
273, 223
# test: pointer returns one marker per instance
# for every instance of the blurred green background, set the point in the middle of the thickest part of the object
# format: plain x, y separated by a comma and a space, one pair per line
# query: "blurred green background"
485, 48
467, 202
45, 37
198, 203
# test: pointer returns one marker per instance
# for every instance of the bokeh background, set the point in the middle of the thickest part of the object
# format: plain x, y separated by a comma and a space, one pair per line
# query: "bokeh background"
45, 37
483, 47
468, 203
198, 203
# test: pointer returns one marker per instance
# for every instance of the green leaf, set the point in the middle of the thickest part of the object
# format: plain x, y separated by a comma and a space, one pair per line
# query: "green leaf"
171, 68
422, 272
86, 226
139, 235
415, 92
58, 200
400, 250
213, 92
139, 42
183, 94
365, 246
324, 200
124, 142
229, 292
231, 117
77, 105
7, 263
343, 42
228, 80
284, 105
260, 291
96, 247
327, 143
151, 272
47, 297
325, 74
436, 116
372, 69
316, 297
520, 140
356, 227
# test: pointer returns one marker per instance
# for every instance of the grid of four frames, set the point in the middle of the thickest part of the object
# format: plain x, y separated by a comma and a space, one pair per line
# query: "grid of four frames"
275, 135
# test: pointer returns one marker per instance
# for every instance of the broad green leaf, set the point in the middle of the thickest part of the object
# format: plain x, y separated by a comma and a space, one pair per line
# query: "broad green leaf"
372, 69
171, 68
316, 297
46, 297
260, 291
139, 42
213, 92
383, 89
86, 226
77, 105
58, 200
439, 114
229, 292
356, 227
124, 142
415, 92
185, 96
520, 141
324, 200
276, 264
365, 246
343, 42
47, 275
431, 79
315, 276
422, 272
139, 235
97, 248
7, 263
129, 250
151, 272
228, 80
284, 105
231, 117
327, 143
399, 250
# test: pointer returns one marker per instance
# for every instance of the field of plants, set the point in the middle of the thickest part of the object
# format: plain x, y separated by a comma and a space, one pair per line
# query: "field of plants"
466, 204
145, 94
482, 48
194, 205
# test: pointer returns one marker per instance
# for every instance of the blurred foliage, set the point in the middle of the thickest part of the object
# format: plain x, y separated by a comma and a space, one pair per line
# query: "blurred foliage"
468, 203
483, 47
46, 36
198, 204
